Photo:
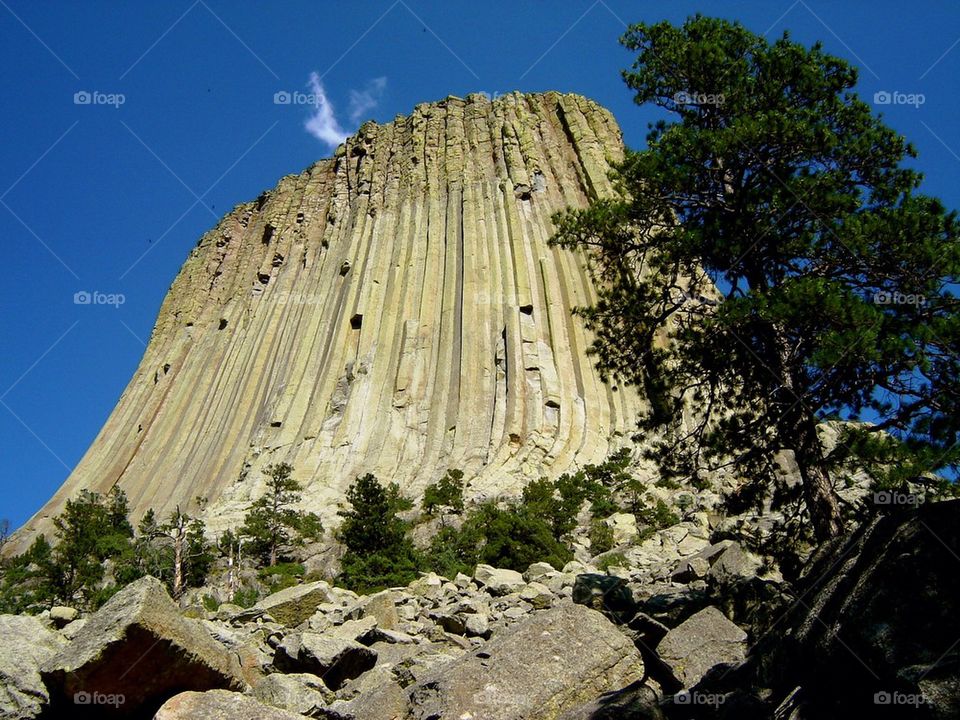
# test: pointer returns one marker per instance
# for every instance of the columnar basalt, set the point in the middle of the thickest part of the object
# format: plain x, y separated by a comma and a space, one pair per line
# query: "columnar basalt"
395, 309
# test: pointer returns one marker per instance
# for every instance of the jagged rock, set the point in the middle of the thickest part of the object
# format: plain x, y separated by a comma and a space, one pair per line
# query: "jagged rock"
498, 581
477, 625
219, 705
25, 644
334, 659
300, 693
383, 607
734, 564
692, 569
553, 661
291, 606
605, 593
138, 647
878, 615
61, 615
421, 218
636, 702
538, 595
538, 570
702, 642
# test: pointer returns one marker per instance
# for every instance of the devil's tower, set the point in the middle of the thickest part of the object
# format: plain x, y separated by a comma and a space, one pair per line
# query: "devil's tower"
395, 309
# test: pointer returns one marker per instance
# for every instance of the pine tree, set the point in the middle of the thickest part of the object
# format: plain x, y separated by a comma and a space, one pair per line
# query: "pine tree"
272, 524
768, 263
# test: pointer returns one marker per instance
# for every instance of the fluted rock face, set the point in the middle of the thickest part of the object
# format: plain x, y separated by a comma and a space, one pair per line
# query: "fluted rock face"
395, 309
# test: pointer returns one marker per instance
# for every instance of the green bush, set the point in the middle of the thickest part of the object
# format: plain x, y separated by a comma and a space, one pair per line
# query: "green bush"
601, 537
281, 575
611, 560
245, 597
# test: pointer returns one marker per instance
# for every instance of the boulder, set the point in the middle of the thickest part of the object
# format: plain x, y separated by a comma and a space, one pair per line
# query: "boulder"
537, 570
734, 564
25, 644
635, 702
219, 705
292, 605
878, 625
61, 615
334, 659
550, 662
300, 693
606, 593
703, 641
134, 653
383, 607
538, 595
498, 581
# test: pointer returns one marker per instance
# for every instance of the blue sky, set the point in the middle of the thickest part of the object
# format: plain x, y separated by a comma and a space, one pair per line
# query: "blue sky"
110, 197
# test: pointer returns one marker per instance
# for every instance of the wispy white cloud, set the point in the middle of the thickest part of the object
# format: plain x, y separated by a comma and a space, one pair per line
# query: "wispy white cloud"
362, 101
323, 123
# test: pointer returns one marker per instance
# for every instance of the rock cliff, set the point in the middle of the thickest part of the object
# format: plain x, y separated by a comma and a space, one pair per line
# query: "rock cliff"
394, 309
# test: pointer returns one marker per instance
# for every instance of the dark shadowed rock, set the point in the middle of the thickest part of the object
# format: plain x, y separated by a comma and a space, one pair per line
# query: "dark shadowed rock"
134, 653
219, 705
25, 644
636, 702
607, 594
334, 659
548, 663
876, 635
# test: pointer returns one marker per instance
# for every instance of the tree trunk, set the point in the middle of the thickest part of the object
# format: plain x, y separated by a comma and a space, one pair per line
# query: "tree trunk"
177, 565
818, 493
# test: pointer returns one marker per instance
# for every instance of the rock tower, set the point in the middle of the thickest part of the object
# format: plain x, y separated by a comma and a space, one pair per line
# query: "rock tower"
394, 309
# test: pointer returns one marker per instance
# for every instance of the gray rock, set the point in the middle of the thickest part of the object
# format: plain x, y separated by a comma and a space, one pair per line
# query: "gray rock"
703, 641
301, 693
498, 581
291, 606
139, 647
25, 644
334, 659
635, 702
537, 570
734, 564
219, 705
477, 625
383, 607
61, 615
552, 661
538, 595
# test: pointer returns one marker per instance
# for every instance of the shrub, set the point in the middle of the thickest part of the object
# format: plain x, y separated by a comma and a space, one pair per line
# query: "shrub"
601, 537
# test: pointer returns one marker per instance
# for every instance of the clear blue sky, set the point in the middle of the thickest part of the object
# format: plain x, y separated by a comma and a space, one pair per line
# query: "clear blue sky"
100, 197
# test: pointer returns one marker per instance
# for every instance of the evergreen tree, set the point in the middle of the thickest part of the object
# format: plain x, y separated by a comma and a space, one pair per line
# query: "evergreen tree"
272, 524
378, 552
445, 496
768, 263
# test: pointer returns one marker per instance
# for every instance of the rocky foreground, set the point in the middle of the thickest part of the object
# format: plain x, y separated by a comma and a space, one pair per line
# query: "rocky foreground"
870, 627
